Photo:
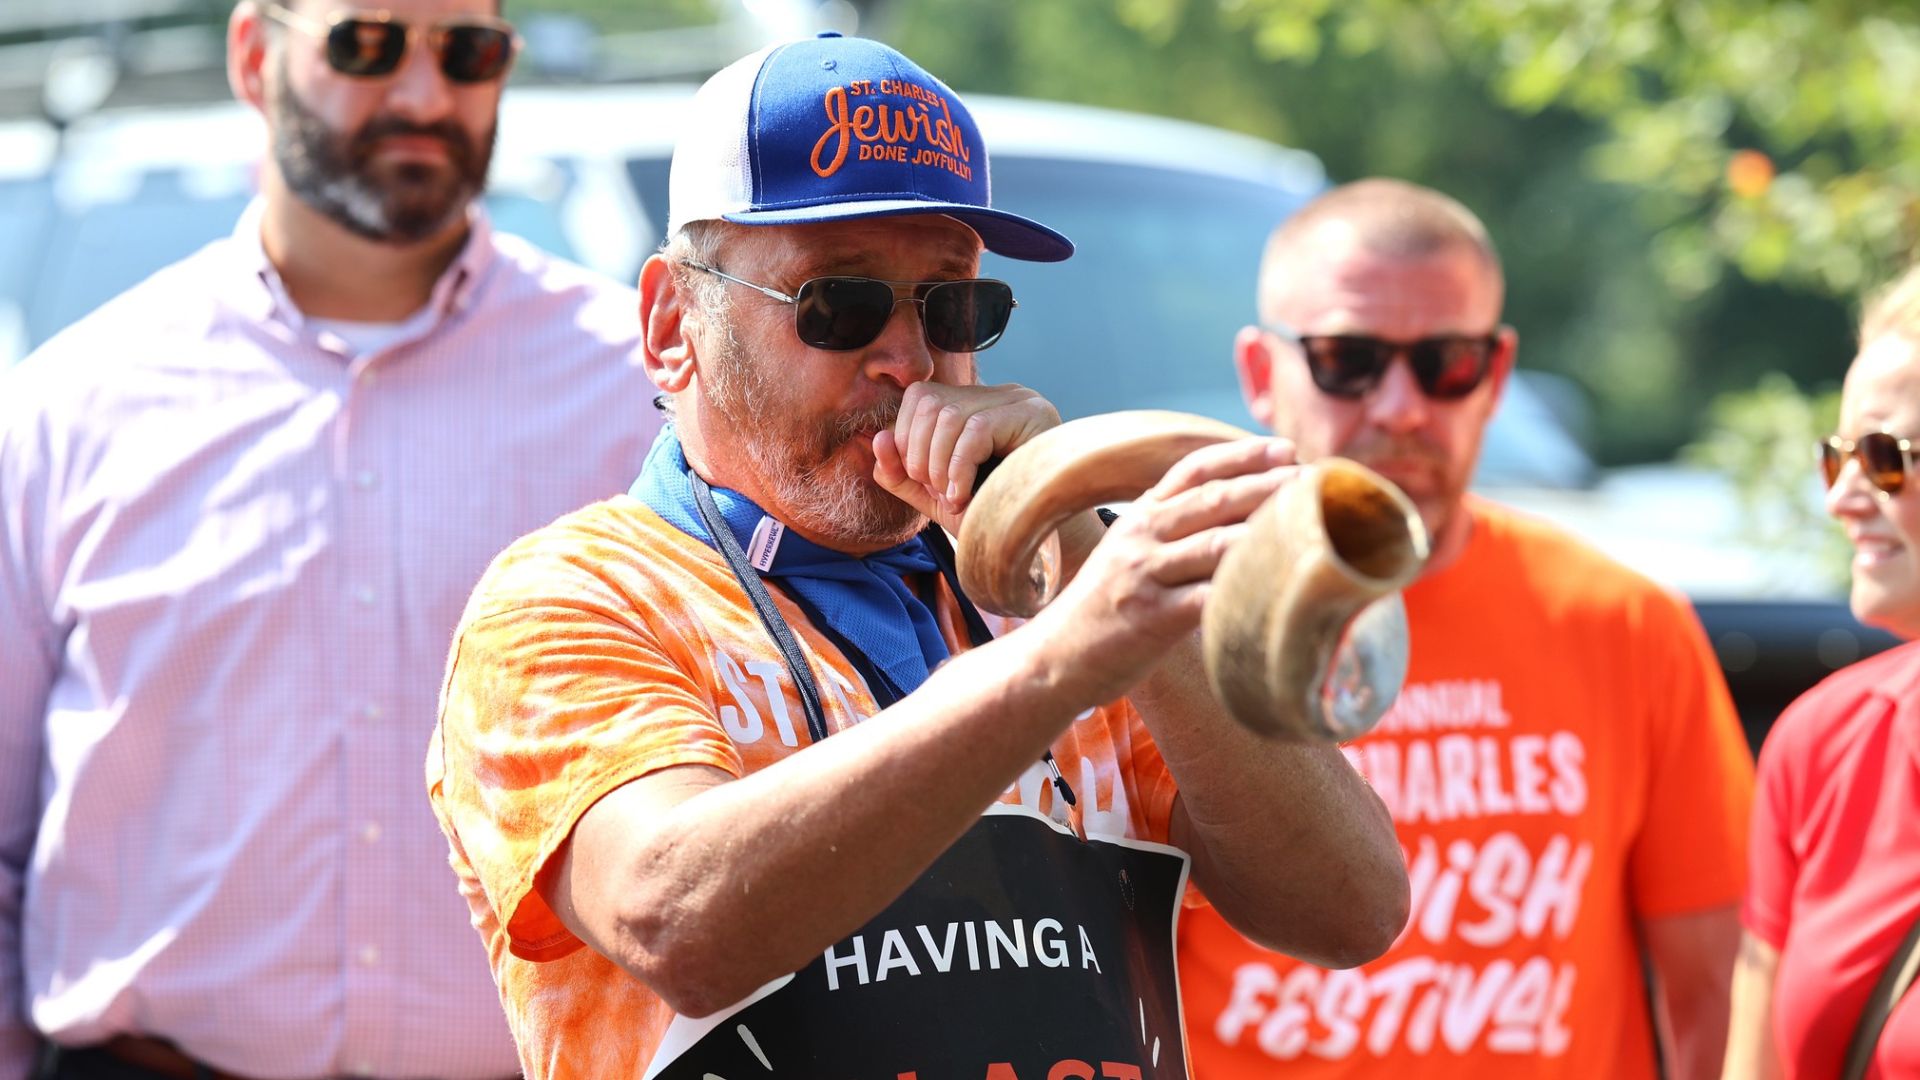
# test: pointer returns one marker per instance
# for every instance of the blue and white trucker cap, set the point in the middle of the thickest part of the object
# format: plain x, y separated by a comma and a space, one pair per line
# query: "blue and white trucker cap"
834, 128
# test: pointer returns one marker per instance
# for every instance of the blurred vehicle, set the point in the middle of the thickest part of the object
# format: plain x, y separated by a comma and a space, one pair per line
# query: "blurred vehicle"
86, 215
1170, 218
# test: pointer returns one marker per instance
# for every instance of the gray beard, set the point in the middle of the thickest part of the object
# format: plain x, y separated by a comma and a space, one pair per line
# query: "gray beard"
811, 491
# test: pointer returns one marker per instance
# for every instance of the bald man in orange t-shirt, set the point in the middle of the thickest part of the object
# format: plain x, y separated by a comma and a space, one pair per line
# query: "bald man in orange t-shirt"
1564, 767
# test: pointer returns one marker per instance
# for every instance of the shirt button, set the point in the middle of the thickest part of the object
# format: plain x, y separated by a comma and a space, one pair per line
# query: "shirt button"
372, 711
370, 832
364, 594
363, 1068
364, 479
369, 955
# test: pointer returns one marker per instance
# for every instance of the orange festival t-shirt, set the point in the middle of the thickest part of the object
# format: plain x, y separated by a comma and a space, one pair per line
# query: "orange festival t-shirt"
1563, 760
610, 645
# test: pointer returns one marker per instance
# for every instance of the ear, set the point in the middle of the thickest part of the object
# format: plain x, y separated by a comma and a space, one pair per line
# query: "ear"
1506, 351
663, 327
1253, 361
247, 54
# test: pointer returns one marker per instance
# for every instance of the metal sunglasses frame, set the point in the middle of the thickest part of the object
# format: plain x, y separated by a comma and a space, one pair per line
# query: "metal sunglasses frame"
1850, 448
776, 294
436, 30
1400, 349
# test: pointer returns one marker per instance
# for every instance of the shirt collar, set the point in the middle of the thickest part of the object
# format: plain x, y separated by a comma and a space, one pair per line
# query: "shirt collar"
266, 295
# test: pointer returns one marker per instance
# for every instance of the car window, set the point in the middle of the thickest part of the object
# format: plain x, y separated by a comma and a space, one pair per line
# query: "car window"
649, 177
1144, 313
65, 256
535, 219
26, 213
24, 210
97, 248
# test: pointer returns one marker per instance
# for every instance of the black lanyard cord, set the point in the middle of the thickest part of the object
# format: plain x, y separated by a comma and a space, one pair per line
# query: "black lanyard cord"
770, 616
885, 691
942, 549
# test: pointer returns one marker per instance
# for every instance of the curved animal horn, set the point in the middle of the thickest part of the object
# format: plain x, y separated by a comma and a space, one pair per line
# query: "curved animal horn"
1059, 473
1304, 633
1301, 635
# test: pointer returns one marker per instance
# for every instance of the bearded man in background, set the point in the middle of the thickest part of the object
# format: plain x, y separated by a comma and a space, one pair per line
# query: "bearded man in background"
246, 502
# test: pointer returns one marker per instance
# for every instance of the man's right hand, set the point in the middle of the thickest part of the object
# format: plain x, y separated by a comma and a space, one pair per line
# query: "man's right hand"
1143, 587
930, 458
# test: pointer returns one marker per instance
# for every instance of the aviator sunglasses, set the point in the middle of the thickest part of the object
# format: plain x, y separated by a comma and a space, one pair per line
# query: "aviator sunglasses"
371, 44
844, 313
1447, 366
1885, 459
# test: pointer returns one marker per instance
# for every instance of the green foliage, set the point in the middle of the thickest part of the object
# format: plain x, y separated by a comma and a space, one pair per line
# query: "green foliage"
1827, 94
1763, 439
618, 16
1616, 282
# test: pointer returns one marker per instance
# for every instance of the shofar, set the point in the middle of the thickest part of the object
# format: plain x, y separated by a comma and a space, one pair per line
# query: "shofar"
1304, 634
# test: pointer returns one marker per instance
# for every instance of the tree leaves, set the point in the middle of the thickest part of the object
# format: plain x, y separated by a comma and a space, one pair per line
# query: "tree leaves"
1829, 94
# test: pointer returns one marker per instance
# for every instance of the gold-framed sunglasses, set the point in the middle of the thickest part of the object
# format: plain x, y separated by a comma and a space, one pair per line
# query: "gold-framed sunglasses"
1885, 459
371, 44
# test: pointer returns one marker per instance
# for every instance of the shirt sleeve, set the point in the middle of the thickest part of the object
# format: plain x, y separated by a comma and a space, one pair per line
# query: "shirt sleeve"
548, 707
1154, 789
1773, 865
1690, 853
28, 654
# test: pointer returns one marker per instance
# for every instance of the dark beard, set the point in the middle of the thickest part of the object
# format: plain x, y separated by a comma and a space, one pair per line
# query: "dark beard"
332, 172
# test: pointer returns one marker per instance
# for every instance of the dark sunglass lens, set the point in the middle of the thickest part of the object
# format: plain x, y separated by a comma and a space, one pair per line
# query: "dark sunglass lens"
841, 313
967, 316
366, 47
1346, 367
1886, 466
1830, 461
1450, 368
472, 54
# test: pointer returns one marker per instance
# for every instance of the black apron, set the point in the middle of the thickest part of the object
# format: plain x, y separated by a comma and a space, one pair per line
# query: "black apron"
1025, 952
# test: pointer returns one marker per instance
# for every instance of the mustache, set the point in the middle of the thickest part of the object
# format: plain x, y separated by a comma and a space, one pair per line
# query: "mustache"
460, 148
864, 421
1394, 448
834, 434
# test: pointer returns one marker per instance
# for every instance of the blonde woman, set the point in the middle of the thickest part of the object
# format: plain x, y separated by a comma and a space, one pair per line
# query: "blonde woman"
1834, 882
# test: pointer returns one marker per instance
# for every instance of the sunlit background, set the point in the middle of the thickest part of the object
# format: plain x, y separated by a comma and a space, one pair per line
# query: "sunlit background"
1690, 197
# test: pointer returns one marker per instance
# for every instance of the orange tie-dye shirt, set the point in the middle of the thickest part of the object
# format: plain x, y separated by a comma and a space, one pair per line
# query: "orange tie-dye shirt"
610, 645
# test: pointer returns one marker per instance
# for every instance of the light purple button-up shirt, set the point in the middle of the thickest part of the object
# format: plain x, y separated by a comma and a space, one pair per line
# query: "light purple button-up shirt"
231, 561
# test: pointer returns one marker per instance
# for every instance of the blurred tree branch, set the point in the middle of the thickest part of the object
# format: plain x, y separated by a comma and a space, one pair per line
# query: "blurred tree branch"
1762, 440
1589, 257
1781, 138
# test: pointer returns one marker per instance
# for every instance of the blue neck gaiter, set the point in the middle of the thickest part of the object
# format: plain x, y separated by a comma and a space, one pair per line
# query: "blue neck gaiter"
866, 600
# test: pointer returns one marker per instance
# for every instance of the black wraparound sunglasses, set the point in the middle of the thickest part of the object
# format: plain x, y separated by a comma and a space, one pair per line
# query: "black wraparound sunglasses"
1885, 459
1447, 366
371, 44
844, 313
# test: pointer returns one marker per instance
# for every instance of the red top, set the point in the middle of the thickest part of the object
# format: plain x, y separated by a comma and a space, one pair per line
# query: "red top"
1834, 879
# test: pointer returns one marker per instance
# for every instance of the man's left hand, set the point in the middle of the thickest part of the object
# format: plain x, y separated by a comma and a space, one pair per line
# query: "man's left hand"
930, 457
